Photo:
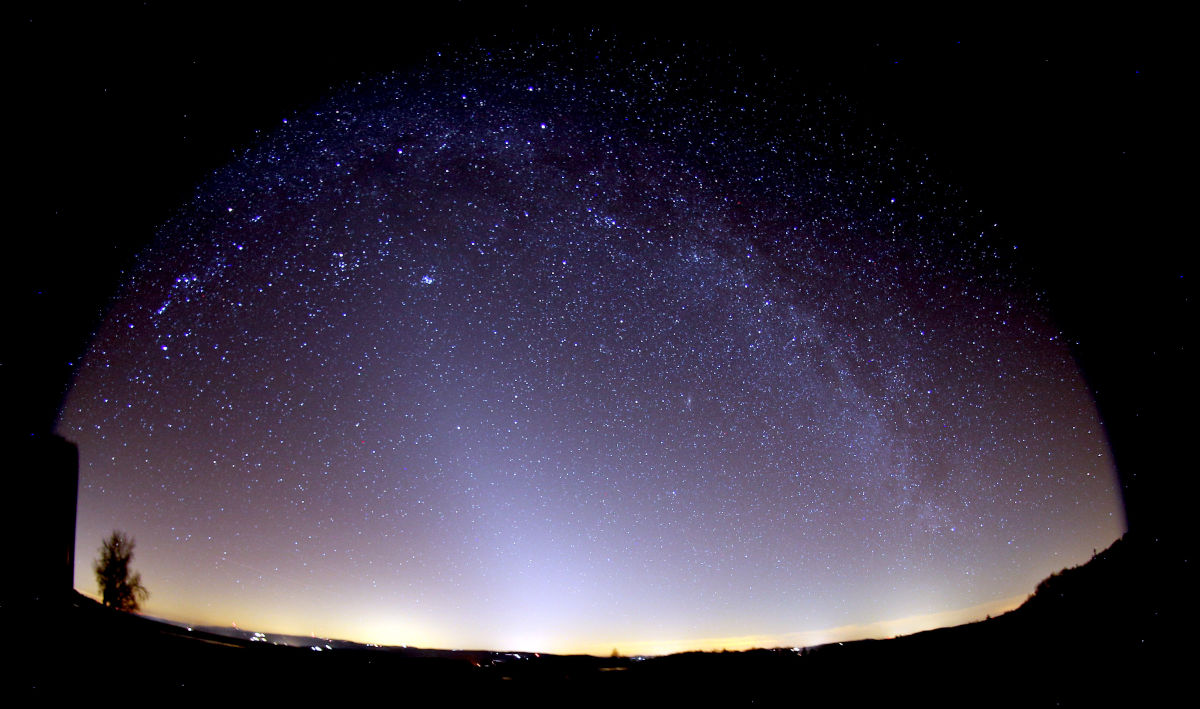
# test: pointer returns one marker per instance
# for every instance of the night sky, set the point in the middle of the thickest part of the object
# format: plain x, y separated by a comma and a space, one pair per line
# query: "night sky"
582, 343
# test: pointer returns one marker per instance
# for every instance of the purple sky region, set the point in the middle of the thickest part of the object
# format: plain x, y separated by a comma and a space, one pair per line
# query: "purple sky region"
561, 350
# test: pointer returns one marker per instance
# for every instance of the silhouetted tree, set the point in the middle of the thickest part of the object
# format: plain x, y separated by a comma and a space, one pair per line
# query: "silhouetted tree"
118, 587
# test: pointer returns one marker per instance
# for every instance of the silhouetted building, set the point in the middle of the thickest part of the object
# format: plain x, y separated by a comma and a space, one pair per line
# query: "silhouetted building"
41, 519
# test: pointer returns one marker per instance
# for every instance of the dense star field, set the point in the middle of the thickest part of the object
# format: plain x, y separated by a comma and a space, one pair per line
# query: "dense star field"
564, 349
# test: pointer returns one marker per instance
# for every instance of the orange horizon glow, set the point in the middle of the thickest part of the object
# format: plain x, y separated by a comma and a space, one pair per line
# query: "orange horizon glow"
396, 632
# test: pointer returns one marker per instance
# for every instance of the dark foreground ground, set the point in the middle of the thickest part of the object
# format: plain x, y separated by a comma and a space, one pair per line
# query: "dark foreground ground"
1102, 634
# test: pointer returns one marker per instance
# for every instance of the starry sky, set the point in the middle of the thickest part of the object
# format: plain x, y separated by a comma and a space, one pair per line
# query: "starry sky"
574, 345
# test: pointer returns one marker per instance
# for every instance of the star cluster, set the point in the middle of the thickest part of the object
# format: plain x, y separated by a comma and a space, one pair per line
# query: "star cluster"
569, 346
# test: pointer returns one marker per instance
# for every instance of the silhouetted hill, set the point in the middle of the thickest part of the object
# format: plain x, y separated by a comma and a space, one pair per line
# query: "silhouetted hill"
1094, 635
